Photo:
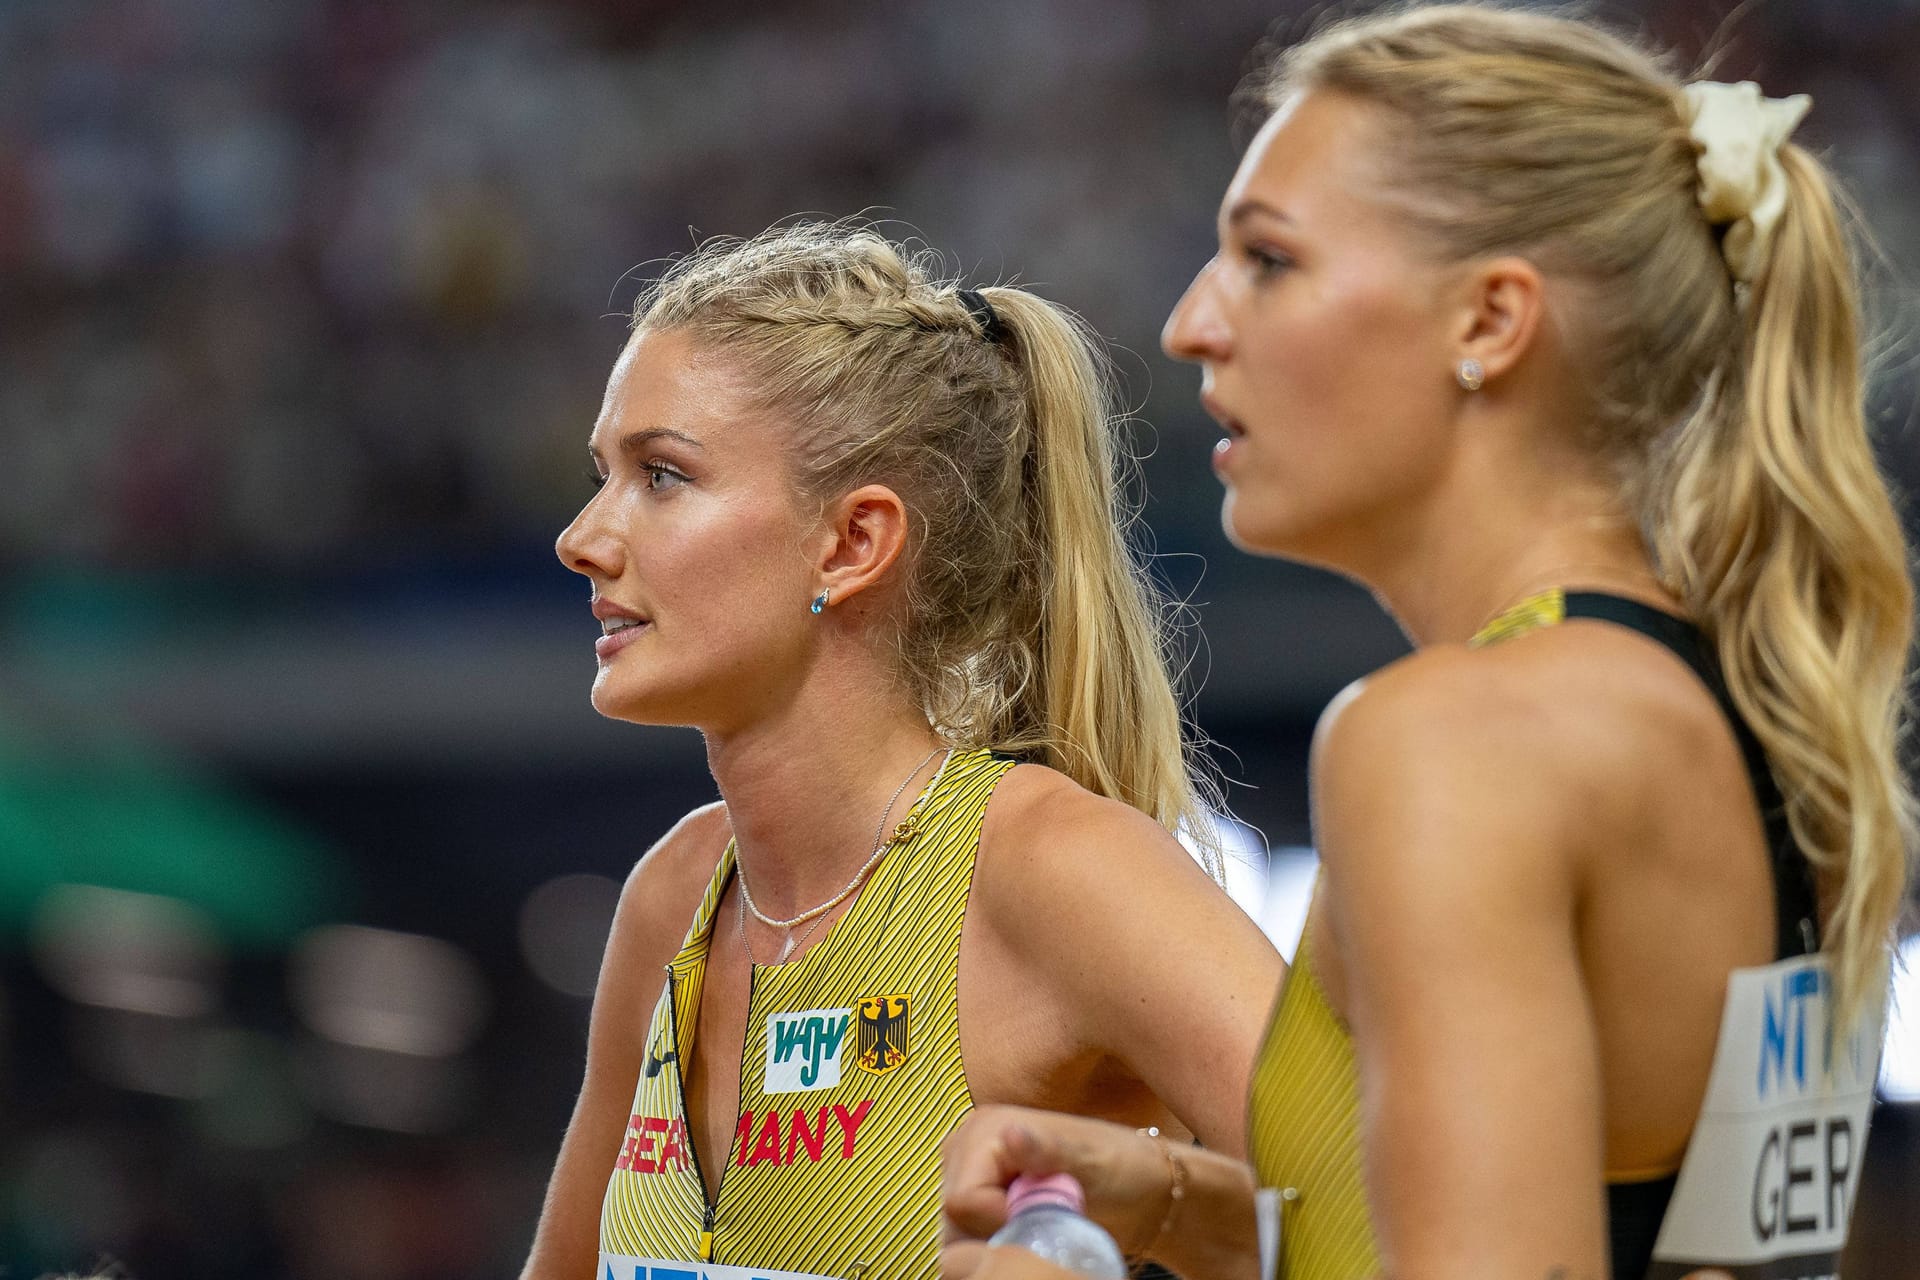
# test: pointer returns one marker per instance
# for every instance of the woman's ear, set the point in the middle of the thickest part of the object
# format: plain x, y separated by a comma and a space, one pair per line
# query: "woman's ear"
866, 530
1501, 312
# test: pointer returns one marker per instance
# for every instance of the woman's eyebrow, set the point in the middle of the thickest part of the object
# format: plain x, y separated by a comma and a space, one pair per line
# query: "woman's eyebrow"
1245, 209
647, 435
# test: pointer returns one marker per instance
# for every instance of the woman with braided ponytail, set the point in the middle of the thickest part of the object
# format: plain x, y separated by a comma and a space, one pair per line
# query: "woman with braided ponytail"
1560, 357
858, 525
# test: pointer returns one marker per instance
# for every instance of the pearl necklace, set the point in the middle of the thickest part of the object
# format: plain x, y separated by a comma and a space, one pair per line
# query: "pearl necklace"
907, 829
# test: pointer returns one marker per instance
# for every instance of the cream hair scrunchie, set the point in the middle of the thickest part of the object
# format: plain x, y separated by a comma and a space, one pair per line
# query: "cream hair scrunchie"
1743, 186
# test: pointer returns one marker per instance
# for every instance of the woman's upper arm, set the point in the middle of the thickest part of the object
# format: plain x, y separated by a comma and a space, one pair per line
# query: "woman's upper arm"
1151, 961
655, 908
1449, 832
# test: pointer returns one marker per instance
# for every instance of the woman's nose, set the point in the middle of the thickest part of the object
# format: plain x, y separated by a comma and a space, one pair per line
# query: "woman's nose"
1197, 330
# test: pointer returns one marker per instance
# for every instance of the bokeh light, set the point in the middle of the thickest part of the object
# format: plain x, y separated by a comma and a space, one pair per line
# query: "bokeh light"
138, 952
379, 989
563, 930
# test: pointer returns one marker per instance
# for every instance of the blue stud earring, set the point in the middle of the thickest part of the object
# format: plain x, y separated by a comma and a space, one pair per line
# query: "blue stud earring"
820, 603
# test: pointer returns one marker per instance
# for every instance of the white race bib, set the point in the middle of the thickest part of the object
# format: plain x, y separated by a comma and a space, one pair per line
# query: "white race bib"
1767, 1186
615, 1266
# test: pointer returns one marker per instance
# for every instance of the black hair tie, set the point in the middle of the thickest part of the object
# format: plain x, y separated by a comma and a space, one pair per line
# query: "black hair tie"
989, 320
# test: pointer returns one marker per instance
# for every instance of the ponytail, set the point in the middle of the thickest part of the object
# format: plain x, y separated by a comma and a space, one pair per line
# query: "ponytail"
1781, 538
1099, 708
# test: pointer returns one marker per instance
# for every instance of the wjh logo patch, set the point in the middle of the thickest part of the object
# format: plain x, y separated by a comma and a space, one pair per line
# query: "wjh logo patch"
803, 1049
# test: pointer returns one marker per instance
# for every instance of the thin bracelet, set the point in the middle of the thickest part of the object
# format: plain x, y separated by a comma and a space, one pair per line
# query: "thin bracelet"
1176, 1190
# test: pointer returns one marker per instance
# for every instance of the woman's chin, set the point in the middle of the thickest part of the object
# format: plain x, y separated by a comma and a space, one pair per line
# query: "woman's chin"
1247, 532
1271, 535
617, 703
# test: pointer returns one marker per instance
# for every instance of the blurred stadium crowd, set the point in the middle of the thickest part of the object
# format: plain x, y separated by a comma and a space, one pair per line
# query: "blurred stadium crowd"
242, 242
305, 307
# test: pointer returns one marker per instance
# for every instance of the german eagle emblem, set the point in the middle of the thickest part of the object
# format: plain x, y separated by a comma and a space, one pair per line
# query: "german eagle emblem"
880, 1042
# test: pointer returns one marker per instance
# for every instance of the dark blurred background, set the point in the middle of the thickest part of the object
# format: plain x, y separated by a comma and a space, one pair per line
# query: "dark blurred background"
308, 836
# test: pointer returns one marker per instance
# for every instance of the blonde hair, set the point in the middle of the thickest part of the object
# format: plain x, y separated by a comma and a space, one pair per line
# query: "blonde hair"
1736, 418
1028, 626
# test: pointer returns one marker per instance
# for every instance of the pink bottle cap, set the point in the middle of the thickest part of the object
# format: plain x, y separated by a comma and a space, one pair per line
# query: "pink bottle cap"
1061, 1190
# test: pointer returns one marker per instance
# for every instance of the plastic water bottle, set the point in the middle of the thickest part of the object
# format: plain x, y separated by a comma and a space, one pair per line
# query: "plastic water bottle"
1047, 1216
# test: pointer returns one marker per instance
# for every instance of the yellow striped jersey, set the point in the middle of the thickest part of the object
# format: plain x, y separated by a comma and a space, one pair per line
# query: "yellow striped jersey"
1304, 1133
850, 1077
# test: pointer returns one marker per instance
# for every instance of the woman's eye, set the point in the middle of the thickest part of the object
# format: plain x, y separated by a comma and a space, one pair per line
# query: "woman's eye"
662, 476
596, 479
1268, 262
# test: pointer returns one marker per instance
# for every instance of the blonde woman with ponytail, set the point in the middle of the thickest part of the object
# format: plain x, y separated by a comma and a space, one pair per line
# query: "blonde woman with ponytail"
1560, 356
860, 526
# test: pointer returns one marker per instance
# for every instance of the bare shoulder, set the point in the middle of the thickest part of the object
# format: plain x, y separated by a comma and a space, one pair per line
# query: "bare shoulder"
665, 886
1583, 714
691, 848
1570, 740
1441, 715
1054, 857
1035, 800
1044, 830
1451, 769
1445, 691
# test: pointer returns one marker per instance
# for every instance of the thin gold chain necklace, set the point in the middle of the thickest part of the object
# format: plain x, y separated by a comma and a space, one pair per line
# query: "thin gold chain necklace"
901, 834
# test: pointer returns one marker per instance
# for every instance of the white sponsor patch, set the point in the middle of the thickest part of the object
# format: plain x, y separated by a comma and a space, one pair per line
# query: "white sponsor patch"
803, 1049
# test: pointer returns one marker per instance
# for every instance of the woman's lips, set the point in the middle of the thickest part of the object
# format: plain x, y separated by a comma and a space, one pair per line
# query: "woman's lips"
1223, 450
614, 641
1229, 444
